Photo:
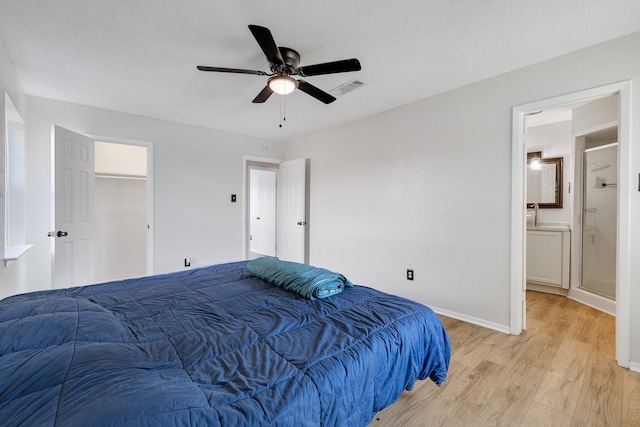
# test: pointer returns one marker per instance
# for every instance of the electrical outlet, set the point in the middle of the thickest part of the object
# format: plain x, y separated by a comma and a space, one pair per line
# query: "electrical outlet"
409, 274
233, 198
187, 262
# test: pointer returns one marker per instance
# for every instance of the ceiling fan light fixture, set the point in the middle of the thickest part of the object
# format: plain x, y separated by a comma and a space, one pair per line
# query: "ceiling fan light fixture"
282, 85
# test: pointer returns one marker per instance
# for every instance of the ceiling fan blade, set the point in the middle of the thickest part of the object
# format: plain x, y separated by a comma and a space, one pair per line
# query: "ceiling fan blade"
267, 44
330, 67
231, 70
318, 94
263, 95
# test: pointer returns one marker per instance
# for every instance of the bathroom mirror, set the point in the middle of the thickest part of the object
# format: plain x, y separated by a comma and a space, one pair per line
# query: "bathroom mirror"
544, 181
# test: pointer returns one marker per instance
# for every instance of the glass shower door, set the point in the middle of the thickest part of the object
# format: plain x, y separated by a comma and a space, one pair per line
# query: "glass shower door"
599, 224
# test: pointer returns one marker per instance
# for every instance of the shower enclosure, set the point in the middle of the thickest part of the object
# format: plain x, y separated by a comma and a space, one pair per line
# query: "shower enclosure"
599, 224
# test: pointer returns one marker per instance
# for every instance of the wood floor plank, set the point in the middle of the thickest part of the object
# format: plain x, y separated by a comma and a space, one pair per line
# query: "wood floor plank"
560, 372
584, 326
631, 400
562, 383
513, 396
483, 382
540, 415
540, 350
600, 399
507, 351
427, 395
472, 344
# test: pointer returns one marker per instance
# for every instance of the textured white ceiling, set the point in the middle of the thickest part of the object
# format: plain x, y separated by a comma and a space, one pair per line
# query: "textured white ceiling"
140, 56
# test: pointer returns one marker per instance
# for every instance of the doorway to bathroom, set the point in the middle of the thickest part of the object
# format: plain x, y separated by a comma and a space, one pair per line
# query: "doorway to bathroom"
617, 94
572, 204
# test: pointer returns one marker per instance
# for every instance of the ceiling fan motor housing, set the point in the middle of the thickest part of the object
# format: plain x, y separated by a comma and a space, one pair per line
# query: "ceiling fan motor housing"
291, 59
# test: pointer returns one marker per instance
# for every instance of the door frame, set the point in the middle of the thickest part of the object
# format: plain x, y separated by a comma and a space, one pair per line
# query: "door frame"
246, 163
150, 192
518, 212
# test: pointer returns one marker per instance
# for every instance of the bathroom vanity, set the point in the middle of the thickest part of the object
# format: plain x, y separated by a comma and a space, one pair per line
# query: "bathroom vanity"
548, 257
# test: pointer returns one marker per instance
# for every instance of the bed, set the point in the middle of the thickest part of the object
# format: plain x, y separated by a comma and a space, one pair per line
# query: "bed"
214, 346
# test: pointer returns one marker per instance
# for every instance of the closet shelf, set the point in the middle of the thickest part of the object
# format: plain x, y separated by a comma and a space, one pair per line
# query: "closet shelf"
119, 176
12, 253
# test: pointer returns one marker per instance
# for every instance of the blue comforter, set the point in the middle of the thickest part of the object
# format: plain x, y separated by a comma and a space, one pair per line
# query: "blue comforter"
211, 347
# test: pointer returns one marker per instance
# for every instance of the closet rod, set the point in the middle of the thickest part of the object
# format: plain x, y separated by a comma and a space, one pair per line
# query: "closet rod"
120, 176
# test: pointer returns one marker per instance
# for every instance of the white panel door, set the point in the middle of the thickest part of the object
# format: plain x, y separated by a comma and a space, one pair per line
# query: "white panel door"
292, 218
262, 211
74, 209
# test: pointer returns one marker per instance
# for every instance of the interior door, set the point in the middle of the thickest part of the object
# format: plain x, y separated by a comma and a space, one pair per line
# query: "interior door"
292, 215
74, 211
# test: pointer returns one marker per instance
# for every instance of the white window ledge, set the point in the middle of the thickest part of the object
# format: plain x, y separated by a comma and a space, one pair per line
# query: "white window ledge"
12, 253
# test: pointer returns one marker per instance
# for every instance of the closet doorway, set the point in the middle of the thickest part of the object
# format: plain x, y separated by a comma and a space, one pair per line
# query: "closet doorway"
121, 211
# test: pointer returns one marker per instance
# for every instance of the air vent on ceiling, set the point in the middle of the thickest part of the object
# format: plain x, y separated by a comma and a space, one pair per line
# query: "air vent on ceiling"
347, 87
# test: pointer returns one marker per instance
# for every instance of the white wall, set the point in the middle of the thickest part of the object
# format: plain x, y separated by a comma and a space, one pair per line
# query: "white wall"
195, 172
554, 140
594, 114
13, 276
431, 181
120, 228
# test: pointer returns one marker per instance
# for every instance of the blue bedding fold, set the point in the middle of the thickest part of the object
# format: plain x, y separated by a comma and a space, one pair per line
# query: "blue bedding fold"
305, 280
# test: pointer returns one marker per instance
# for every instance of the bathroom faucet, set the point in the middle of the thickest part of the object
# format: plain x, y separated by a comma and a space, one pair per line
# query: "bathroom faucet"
535, 218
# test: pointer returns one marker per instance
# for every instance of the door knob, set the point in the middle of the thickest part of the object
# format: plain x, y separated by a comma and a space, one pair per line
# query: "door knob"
62, 233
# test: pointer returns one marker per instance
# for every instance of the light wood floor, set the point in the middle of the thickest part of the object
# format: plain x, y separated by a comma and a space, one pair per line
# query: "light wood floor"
560, 372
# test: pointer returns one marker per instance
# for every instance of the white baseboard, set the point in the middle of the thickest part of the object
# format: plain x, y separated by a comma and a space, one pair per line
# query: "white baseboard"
473, 320
547, 289
634, 366
594, 301
210, 263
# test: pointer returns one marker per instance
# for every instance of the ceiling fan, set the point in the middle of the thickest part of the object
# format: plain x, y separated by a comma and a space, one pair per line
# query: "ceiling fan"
283, 62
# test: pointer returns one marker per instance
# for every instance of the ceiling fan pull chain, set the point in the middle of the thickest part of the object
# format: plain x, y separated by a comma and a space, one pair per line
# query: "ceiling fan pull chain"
283, 108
